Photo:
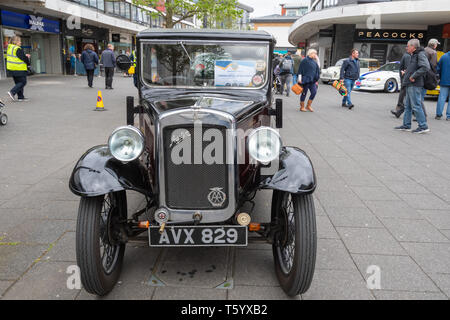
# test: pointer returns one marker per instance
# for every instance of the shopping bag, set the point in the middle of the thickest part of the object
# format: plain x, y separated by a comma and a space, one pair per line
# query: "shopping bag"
339, 86
297, 89
131, 70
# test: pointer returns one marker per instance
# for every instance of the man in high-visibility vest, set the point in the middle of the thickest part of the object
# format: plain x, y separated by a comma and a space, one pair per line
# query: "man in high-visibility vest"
17, 64
133, 60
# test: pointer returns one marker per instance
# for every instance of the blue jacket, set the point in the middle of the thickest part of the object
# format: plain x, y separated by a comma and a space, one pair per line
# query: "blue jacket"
350, 69
90, 59
309, 70
108, 59
443, 69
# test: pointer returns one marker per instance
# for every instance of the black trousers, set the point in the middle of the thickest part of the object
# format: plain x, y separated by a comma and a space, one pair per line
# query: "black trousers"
109, 74
20, 82
90, 76
401, 99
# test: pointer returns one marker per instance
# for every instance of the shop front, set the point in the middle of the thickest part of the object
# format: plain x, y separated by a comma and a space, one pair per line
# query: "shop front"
40, 38
122, 42
74, 41
385, 45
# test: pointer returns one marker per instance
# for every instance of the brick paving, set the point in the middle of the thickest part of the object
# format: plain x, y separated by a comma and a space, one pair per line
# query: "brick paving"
383, 199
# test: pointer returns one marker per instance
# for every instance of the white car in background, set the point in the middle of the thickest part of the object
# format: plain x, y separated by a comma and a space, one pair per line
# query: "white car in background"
333, 73
386, 78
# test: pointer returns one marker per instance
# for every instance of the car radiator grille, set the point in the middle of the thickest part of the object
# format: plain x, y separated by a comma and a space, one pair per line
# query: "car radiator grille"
194, 186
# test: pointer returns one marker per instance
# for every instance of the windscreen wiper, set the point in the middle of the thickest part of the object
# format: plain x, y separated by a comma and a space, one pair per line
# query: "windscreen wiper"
184, 48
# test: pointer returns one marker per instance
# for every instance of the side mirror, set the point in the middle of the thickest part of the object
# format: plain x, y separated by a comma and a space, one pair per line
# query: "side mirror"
278, 113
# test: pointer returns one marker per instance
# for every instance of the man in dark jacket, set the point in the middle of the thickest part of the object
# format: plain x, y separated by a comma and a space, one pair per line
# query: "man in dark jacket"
17, 65
90, 61
414, 82
109, 63
406, 59
349, 75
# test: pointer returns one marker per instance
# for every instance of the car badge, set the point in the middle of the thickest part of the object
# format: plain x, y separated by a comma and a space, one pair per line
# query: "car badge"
176, 139
216, 197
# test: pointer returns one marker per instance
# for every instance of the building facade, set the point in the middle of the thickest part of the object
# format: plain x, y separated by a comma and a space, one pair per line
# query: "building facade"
378, 29
53, 30
279, 24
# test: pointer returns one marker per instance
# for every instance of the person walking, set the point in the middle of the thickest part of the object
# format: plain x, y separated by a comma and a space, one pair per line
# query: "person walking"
133, 59
297, 60
414, 82
308, 77
443, 69
431, 53
109, 63
73, 59
349, 75
90, 61
404, 62
17, 63
286, 72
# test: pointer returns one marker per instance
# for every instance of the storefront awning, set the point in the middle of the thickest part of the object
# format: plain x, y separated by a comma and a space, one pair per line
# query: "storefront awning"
398, 13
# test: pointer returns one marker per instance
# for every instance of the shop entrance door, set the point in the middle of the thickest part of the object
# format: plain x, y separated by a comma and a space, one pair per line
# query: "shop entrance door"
38, 45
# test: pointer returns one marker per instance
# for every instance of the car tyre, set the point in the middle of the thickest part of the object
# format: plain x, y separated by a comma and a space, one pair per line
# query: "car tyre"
3, 119
391, 86
100, 271
295, 214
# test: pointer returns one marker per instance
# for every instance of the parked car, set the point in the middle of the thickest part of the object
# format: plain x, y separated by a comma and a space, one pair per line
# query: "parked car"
386, 78
333, 73
199, 152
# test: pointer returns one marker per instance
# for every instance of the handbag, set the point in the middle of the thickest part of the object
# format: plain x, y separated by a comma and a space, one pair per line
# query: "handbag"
297, 89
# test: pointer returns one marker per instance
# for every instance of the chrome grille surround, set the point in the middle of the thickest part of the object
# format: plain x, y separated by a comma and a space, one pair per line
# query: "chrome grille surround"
186, 117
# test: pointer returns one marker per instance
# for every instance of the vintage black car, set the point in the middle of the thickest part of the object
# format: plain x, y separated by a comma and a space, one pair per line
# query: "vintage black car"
198, 147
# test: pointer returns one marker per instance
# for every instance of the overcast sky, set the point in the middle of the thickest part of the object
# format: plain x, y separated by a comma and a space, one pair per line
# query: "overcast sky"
263, 7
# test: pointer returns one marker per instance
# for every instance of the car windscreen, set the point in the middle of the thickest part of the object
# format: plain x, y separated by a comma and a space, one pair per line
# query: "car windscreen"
394, 67
200, 64
340, 63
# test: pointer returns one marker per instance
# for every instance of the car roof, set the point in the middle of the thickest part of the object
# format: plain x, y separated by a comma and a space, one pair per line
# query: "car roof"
221, 34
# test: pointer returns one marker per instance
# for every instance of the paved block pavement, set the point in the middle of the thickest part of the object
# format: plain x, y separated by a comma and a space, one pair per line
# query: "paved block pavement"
383, 200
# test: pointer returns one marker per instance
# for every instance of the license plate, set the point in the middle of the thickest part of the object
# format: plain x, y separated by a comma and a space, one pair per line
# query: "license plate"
198, 236
358, 83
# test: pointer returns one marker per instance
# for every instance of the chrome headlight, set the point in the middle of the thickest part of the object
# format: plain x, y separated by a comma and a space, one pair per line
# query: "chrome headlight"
126, 143
264, 144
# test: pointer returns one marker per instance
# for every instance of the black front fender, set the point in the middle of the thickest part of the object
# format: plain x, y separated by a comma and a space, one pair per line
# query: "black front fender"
98, 172
295, 175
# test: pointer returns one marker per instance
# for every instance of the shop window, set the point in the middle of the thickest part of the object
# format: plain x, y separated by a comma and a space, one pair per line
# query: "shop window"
127, 11
85, 2
133, 13
101, 5
109, 7
117, 8
145, 16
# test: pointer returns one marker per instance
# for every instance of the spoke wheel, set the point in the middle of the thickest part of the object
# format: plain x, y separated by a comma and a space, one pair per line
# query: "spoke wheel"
295, 243
98, 246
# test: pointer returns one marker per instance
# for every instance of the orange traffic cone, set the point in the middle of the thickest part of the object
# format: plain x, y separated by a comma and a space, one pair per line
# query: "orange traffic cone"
100, 105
